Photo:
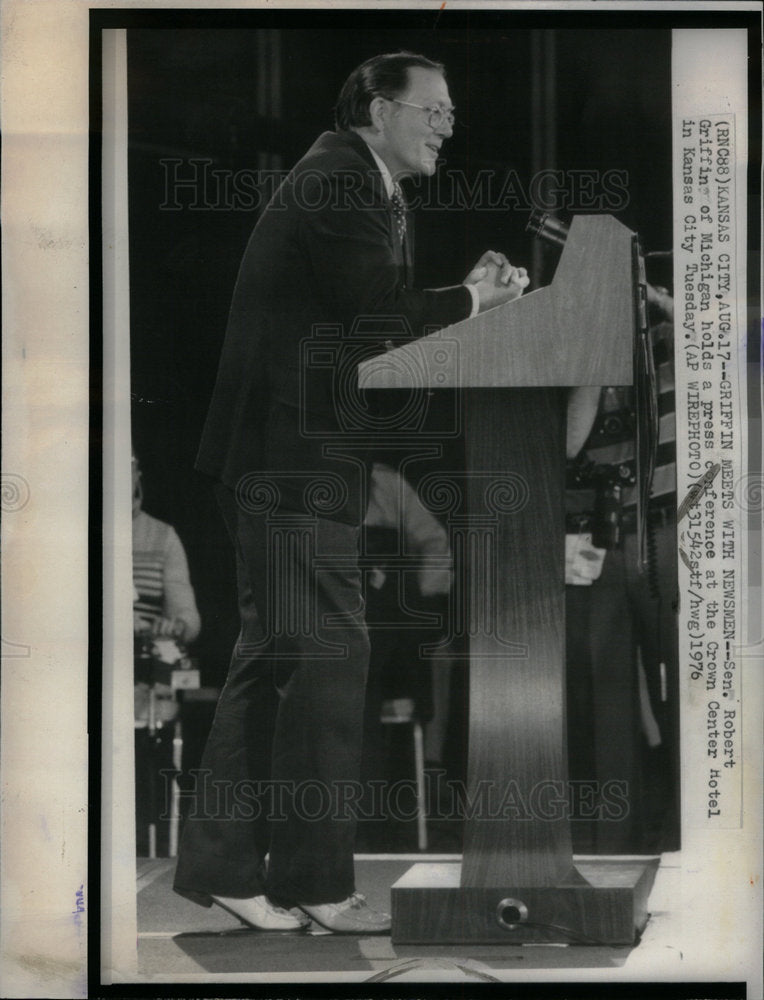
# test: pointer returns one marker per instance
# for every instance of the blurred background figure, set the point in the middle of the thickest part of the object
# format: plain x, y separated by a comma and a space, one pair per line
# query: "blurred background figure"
621, 631
165, 605
165, 622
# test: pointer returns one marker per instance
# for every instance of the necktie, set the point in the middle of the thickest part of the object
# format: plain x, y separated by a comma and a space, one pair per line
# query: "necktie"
399, 210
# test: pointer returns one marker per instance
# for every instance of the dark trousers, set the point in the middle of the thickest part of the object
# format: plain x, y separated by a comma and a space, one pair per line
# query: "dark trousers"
280, 770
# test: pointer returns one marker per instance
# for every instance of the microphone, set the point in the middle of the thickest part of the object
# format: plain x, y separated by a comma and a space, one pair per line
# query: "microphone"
547, 228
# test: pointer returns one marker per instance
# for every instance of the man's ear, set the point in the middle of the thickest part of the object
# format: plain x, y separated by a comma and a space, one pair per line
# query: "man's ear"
378, 113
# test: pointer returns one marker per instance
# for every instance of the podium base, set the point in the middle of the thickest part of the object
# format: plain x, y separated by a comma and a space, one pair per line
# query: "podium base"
603, 902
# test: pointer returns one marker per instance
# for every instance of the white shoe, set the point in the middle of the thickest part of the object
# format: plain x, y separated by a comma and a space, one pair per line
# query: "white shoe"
352, 916
258, 912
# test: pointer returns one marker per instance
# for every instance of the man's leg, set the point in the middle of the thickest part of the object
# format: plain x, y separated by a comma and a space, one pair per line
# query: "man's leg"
310, 644
225, 836
320, 671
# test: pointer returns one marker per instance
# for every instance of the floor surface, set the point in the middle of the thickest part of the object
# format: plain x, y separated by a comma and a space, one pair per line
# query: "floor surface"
180, 941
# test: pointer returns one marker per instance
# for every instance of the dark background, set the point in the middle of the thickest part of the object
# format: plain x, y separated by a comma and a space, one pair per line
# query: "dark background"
255, 99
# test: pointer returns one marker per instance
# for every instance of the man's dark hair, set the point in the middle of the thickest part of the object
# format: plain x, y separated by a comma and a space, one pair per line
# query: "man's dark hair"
382, 76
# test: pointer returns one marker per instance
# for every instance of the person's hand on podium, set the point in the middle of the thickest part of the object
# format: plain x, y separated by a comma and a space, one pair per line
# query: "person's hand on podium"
496, 280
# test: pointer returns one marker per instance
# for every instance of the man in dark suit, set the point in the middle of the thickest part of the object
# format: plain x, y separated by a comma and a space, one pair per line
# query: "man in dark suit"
325, 282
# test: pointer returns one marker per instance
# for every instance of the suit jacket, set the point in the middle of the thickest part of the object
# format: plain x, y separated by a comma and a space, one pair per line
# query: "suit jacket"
323, 284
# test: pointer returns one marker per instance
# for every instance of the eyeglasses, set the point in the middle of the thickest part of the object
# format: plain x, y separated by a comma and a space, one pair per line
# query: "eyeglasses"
435, 116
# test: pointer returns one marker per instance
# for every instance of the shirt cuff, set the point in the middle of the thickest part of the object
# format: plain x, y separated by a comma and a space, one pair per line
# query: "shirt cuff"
475, 296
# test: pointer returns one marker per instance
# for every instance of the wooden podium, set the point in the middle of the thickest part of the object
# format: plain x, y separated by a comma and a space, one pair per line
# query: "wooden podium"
517, 882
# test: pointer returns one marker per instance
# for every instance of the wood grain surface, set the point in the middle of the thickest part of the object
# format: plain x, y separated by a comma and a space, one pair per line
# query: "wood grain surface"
517, 702
607, 906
